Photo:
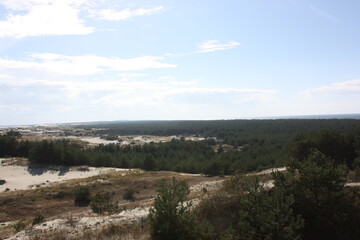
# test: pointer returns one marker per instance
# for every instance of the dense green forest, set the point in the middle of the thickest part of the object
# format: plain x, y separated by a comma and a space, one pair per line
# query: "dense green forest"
263, 144
233, 132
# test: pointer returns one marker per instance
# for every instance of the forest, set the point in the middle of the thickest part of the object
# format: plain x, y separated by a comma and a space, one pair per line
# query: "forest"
257, 144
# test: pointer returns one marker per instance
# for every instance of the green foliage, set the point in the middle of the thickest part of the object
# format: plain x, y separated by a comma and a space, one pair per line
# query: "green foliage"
14, 134
101, 203
340, 147
149, 163
268, 215
19, 226
129, 194
38, 219
242, 209
320, 197
82, 195
258, 144
111, 137
171, 218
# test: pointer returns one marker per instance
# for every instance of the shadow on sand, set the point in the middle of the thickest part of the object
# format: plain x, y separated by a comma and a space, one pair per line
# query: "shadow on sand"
36, 170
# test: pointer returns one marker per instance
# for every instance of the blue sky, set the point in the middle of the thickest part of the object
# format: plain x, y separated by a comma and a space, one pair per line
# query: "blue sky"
87, 60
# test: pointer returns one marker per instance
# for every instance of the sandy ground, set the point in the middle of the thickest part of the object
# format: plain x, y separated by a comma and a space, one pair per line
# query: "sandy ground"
75, 225
123, 140
22, 177
95, 140
268, 171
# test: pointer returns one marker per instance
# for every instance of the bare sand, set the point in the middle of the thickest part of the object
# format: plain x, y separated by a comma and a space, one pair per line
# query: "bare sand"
22, 177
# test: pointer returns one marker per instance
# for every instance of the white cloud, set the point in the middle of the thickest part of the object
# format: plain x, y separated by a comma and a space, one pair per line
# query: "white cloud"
215, 45
112, 15
42, 17
24, 18
23, 5
83, 65
351, 86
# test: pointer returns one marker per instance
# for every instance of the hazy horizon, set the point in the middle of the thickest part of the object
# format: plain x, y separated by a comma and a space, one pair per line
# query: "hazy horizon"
86, 60
324, 116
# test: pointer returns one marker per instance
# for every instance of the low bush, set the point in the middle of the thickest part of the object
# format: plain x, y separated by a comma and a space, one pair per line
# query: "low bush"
82, 196
38, 219
171, 217
19, 226
101, 203
129, 194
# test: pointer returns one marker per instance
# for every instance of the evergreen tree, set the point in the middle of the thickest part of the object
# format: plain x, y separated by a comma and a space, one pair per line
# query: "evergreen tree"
320, 197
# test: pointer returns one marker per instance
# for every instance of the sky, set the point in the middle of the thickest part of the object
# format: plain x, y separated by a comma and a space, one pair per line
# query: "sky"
99, 60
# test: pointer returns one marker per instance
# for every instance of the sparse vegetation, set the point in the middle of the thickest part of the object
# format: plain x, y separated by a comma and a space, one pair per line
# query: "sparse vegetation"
38, 219
82, 196
129, 194
102, 203
19, 226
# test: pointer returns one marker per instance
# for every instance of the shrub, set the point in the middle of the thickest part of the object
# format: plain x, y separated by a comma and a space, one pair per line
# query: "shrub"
171, 218
101, 203
82, 195
129, 194
19, 226
38, 219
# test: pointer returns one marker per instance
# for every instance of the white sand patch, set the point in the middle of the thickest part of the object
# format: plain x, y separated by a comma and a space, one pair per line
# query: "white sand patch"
95, 140
353, 184
75, 226
21, 177
209, 186
267, 171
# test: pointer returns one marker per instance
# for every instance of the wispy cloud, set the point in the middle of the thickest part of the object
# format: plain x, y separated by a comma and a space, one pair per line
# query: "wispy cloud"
131, 91
83, 65
113, 15
42, 18
165, 93
216, 45
346, 87
324, 14
207, 46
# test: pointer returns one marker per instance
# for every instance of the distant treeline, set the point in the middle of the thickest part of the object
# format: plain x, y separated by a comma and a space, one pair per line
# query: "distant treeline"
233, 132
264, 143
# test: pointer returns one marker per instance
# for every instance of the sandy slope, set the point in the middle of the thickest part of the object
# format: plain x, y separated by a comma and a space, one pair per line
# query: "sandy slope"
21, 177
75, 226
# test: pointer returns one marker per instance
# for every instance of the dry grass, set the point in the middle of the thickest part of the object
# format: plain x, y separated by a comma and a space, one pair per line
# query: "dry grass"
109, 232
18, 161
57, 201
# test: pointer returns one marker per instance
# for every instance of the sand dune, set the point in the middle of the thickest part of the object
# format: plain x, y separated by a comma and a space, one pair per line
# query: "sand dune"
22, 177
